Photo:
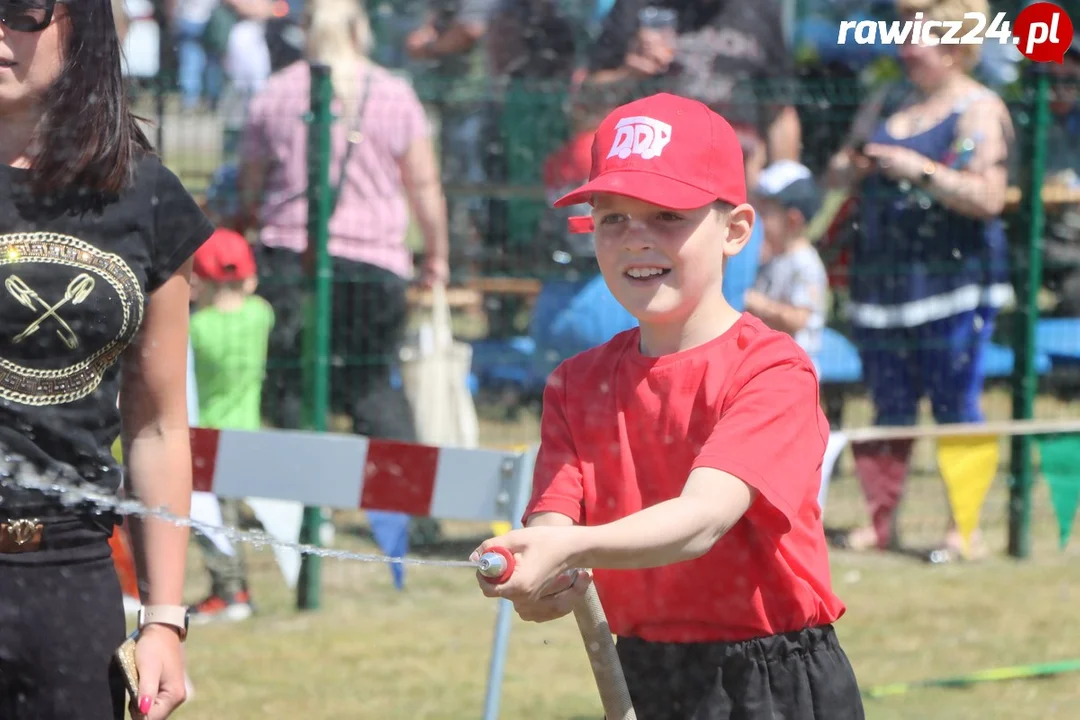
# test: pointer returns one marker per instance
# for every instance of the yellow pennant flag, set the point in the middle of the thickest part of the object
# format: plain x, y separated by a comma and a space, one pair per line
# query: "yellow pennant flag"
968, 466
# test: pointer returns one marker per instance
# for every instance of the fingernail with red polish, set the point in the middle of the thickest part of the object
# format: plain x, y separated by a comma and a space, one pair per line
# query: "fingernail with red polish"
144, 704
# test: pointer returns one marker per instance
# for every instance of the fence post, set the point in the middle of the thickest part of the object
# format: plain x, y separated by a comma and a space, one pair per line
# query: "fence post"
316, 350
165, 66
500, 644
1025, 378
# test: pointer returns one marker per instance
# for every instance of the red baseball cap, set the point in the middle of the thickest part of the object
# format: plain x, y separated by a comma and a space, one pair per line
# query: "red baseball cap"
225, 257
666, 150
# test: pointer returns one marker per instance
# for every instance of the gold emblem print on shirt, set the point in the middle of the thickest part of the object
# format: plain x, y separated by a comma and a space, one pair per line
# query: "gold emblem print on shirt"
68, 311
77, 290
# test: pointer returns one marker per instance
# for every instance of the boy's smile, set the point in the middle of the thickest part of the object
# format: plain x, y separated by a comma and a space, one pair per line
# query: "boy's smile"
646, 274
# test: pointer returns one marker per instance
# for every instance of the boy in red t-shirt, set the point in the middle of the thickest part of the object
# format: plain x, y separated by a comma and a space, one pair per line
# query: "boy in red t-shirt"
681, 460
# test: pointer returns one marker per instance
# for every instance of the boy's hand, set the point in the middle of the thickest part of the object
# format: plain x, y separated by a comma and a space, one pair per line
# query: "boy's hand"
541, 554
558, 600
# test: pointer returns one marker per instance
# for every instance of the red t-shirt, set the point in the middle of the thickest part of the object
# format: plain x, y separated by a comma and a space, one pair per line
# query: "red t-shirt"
621, 432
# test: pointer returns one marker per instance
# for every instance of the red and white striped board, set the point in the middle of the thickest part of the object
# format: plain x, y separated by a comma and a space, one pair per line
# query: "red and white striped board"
354, 472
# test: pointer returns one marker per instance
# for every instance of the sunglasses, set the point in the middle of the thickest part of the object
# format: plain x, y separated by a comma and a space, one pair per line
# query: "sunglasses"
28, 16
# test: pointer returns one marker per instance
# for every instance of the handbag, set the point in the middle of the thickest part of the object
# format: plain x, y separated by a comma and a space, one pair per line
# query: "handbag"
435, 377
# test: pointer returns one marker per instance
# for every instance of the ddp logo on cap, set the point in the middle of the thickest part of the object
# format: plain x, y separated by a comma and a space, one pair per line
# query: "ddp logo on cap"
666, 150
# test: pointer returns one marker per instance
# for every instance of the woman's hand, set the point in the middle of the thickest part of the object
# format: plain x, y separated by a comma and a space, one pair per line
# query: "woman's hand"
861, 165
436, 271
898, 163
252, 9
652, 54
848, 168
418, 43
160, 662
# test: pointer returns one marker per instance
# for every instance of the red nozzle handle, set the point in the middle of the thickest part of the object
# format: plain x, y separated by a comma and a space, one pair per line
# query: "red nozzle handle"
497, 565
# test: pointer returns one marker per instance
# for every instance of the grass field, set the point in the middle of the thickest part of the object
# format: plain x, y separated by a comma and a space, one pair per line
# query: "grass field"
372, 652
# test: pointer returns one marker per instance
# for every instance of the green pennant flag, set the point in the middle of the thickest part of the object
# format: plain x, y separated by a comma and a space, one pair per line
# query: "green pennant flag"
1060, 464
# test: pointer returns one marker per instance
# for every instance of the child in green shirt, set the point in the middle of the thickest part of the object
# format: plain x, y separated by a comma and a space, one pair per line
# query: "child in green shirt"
230, 331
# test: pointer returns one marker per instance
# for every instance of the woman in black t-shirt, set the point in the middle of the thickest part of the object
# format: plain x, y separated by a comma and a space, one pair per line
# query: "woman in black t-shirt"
95, 241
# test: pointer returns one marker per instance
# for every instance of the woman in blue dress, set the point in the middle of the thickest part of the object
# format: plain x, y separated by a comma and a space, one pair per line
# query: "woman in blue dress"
927, 158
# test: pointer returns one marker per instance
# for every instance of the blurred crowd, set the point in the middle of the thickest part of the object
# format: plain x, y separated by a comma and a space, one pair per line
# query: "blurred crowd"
516, 86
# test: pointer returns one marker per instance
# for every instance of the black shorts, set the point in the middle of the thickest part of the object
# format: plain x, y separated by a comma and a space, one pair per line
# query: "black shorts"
801, 675
370, 312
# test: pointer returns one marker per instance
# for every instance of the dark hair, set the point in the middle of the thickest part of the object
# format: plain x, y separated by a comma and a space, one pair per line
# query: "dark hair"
89, 138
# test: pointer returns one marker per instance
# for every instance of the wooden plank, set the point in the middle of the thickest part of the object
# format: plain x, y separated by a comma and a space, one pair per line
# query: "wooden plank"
495, 191
505, 285
1052, 195
457, 297
1000, 428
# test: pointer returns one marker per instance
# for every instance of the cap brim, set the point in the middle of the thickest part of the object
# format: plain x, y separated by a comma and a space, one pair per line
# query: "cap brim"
647, 187
804, 195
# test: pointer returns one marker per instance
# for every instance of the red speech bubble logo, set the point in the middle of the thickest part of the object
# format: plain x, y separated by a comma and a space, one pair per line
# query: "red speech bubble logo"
1043, 32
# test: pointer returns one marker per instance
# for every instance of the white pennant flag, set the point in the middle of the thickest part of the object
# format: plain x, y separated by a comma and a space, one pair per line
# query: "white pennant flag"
837, 443
282, 519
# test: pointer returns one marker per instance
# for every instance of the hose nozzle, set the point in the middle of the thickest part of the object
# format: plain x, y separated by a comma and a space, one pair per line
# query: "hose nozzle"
496, 565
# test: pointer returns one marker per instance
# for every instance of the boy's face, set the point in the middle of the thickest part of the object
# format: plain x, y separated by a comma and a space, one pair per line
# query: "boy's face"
659, 263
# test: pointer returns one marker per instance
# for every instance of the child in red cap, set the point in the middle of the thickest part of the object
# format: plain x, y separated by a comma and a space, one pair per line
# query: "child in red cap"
681, 460
230, 331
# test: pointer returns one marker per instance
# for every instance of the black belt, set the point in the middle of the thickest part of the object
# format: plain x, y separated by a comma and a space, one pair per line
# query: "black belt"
23, 532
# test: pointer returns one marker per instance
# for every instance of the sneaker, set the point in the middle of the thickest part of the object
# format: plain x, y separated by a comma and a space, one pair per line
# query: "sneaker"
216, 608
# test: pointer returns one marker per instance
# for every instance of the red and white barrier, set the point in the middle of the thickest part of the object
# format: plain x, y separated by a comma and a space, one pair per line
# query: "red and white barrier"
354, 472
279, 471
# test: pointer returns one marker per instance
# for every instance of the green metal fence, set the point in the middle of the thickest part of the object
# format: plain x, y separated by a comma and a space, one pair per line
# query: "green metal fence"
317, 336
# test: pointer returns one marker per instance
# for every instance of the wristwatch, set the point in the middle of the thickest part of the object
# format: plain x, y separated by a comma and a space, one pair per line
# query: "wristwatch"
928, 173
175, 616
